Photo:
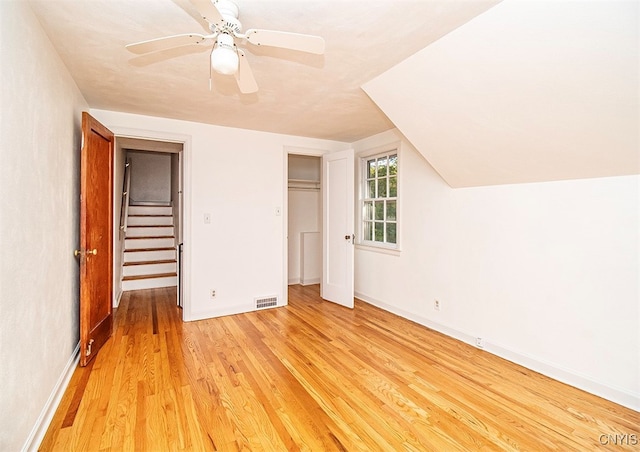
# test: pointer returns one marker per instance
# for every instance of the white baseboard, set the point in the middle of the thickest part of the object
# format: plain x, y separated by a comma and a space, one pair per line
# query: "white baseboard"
294, 281
619, 396
46, 415
310, 281
116, 302
567, 376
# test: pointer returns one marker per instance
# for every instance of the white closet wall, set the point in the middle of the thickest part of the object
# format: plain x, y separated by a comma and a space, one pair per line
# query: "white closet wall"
305, 203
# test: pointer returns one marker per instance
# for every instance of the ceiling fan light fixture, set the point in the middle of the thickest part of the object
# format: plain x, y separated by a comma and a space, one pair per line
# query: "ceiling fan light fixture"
224, 58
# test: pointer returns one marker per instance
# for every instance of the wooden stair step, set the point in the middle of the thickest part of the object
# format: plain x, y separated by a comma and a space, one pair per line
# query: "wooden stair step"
150, 226
152, 237
167, 261
149, 249
158, 275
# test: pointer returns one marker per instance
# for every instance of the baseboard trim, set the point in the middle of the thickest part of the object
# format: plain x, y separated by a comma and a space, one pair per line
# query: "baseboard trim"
566, 376
117, 299
309, 282
616, 395
46, 415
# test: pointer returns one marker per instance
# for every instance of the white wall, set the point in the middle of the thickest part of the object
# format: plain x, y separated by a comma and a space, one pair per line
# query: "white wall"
39, 217
547, 273
119, 161
238, 177
528, 91
304, 216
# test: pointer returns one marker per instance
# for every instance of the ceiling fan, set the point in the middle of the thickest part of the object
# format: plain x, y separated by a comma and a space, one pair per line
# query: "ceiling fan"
226, 57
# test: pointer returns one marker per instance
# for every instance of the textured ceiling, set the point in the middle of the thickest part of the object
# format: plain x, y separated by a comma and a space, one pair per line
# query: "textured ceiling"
299, 94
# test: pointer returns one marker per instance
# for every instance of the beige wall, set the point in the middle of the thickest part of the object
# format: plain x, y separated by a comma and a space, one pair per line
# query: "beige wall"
39, 205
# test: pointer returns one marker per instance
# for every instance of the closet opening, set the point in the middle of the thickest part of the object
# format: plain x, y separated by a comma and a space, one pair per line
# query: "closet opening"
304, 238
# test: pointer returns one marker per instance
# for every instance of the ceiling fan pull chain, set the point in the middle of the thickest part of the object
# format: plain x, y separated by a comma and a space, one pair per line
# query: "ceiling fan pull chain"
210, 72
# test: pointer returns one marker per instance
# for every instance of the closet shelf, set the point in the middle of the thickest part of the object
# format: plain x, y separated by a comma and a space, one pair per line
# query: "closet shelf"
304, 184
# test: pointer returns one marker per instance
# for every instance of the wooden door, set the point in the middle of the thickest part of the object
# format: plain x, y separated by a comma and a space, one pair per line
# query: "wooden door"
337, 227
96, 237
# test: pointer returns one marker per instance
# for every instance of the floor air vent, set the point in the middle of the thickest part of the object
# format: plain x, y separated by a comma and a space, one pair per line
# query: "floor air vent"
266, 302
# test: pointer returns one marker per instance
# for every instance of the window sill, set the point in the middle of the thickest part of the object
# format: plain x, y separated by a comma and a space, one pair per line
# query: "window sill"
378, 249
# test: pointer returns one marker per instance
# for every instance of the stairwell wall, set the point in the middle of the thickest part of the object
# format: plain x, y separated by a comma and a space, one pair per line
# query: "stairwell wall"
120, 156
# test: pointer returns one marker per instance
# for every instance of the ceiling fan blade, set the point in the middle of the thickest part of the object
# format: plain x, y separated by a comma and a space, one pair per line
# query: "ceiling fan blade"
286, 40
244, 75
208, 11
168, 42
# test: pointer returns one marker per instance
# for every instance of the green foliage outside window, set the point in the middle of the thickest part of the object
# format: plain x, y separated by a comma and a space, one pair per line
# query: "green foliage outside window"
379, 206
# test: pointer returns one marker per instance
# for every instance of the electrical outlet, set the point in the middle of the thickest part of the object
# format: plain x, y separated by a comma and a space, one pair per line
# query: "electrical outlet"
479, 342
212, 294
436, 305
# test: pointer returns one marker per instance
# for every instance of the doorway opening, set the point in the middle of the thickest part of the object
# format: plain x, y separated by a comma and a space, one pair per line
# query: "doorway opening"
304, 220
319, 237
148, 215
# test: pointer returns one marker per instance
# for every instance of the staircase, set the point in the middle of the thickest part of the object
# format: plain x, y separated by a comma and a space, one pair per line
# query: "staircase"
149, 249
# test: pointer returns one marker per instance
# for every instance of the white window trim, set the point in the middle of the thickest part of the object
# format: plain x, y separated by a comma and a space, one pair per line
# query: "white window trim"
385, 248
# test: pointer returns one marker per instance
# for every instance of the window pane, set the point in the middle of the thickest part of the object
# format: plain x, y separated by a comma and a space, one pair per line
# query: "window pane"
393, 187
379, 204
391, 211
371, 169
382, 188
371, 189
379, 210
393, 164
368, 230
368, 210
382, 166
391, 232
379, 237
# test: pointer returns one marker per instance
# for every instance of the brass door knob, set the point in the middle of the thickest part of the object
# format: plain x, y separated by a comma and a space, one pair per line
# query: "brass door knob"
80, 252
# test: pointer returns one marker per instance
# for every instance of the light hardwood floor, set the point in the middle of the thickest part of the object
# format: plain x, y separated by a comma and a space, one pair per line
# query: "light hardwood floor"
315, 376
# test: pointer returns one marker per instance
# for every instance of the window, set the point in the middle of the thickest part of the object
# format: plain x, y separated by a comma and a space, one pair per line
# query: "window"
380, 200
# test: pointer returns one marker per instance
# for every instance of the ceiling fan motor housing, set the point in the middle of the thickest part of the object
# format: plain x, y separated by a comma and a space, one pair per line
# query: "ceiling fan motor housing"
229, 12
227, 8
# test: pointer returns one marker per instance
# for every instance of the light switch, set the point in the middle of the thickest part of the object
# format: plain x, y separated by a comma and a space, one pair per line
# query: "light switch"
207, 218
278, 211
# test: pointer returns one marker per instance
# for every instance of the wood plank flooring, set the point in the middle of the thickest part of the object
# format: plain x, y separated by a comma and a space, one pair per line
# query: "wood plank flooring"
315, 376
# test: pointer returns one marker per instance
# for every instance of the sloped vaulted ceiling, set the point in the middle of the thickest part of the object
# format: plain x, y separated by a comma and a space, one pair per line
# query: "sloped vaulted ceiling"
528, 91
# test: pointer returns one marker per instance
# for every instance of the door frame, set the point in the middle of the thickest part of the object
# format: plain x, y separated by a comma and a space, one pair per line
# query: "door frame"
185, 159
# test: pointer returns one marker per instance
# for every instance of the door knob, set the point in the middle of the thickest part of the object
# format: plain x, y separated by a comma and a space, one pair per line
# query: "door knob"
80, 252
